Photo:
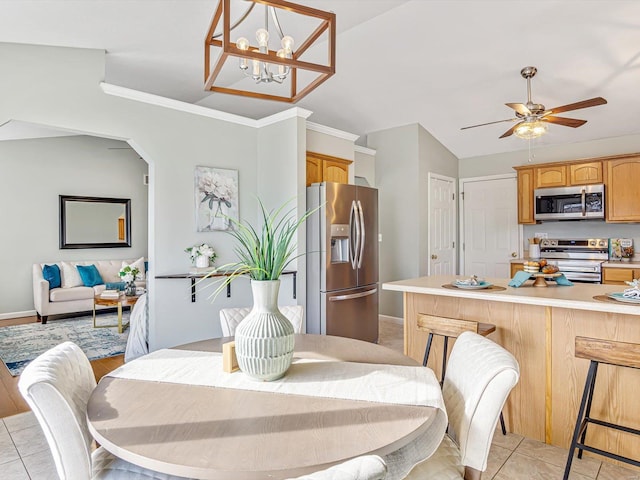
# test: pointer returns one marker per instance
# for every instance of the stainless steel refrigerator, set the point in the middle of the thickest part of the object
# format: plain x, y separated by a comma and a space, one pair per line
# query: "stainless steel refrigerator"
342, 261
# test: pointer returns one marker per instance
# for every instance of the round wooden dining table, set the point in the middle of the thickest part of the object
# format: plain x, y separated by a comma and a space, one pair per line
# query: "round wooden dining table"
222, 433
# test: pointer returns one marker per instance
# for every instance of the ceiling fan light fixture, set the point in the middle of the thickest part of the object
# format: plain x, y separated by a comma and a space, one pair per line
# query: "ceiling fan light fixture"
531, 129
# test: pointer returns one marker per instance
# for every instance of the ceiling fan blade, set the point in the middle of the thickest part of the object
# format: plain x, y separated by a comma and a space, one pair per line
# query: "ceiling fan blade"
567, 122
592, 102
490, 123
521, 108
509, 132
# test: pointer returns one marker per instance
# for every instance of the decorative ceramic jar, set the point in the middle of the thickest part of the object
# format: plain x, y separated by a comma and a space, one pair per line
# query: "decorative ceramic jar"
265, 338
202, 261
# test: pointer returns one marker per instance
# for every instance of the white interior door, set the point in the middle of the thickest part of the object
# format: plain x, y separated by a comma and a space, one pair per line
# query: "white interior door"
442, 225
491, 234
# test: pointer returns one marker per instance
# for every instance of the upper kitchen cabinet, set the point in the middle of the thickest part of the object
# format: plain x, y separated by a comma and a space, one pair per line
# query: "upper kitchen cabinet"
562, 175
551, 176
585, 173
621, 188
325, 168
525, 195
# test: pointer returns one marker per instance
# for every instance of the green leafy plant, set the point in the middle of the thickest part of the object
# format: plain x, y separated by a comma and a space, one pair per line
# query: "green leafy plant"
263, 254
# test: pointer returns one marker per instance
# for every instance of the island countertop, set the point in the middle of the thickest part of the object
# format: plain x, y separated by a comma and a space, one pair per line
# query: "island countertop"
578, 297
538, 325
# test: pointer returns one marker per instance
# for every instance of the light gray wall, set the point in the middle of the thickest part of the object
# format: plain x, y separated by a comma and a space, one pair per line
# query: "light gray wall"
171, 140
404, 157
319, 142
397, 179
365, 166
33, 173
504, 163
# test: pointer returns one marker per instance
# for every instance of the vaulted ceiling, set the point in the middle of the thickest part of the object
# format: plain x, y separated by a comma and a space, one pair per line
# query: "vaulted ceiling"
444, 64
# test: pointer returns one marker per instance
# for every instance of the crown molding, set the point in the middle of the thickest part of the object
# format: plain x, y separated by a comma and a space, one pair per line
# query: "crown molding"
316, 127
157, 100
365, 150
284, 115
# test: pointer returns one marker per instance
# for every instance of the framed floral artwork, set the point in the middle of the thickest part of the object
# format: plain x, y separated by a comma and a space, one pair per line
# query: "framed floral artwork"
216, 192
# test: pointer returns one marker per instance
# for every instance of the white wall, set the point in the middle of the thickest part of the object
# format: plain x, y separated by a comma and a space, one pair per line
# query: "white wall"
504, 163
171, 137
33, 173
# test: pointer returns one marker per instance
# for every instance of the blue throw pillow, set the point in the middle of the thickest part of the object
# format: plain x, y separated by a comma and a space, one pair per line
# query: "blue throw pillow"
115, 286
51, 274
89, 275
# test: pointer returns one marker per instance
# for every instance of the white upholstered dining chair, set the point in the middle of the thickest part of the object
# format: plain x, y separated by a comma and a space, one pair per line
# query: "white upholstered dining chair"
479, 378
231, 317
57, 386
368, 467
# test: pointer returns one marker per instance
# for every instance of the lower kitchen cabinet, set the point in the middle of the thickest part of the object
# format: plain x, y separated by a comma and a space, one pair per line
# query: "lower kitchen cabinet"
618, 276
515, 268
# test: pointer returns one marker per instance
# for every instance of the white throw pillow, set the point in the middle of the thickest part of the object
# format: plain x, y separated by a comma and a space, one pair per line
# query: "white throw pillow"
139, 263
70, 276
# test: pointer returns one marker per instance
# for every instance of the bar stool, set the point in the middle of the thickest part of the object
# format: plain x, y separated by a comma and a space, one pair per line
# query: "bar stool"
619, 354
451, 328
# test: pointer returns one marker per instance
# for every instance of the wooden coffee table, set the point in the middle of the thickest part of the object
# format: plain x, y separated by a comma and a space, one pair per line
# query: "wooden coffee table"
121, 301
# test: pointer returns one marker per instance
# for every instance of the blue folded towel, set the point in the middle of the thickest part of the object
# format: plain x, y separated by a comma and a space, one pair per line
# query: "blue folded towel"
562, 280
519, 278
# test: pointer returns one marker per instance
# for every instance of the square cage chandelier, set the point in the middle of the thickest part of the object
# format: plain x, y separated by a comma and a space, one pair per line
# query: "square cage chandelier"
258, 61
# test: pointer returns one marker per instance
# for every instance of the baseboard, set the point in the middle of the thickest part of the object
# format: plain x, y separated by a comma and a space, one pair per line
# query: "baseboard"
391, 319
27, 313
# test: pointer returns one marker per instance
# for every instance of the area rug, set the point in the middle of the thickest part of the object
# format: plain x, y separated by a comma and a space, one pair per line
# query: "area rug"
19, 344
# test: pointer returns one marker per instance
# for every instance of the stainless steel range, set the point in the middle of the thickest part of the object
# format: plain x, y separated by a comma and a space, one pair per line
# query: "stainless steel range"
580, 259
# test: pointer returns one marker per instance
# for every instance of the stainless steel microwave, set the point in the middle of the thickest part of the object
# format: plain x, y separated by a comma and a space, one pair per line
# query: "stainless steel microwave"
569, 203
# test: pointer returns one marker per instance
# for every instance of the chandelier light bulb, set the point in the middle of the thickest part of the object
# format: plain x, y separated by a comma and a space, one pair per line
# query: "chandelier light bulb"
287, 44
256, 69
282, 54
242, 43
263, 37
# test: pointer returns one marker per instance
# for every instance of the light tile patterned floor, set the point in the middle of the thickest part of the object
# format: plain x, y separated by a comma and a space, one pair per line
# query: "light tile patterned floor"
24, 454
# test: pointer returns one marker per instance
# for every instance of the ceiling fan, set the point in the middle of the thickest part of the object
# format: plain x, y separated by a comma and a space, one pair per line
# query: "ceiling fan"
533, 118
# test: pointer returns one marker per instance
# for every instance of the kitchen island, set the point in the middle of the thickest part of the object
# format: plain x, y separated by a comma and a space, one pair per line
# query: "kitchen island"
538, 325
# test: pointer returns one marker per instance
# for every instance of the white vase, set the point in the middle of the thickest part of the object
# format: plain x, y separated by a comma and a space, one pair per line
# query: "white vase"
265, 338
202, 261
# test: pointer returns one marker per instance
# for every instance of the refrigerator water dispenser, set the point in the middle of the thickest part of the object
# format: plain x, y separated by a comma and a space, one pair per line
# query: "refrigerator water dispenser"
339, 243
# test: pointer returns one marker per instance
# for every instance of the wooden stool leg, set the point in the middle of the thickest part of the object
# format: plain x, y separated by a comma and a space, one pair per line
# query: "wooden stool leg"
591, 378
427, 350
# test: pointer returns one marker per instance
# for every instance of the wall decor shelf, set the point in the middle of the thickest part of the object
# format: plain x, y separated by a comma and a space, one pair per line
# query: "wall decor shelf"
195, 276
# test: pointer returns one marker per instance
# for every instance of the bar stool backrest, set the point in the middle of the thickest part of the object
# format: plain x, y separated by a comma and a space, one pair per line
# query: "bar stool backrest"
447, 327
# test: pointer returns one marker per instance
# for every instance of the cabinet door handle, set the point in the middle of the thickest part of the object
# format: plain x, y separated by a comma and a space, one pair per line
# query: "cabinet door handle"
434, 257
514, 254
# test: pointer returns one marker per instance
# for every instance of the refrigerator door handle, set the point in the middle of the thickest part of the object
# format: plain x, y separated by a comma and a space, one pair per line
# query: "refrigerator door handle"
338, 298
354, 242
361, 252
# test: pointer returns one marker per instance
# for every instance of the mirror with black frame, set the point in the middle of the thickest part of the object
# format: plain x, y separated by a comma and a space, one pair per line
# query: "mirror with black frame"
94, 222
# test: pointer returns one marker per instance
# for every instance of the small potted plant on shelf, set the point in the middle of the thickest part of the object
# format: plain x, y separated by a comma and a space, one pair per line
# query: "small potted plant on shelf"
202, 255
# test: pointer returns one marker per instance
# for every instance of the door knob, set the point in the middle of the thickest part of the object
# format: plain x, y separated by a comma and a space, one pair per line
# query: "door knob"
433, 257
514, 254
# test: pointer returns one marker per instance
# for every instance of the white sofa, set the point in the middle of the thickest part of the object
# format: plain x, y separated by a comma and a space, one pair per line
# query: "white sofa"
59, 301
